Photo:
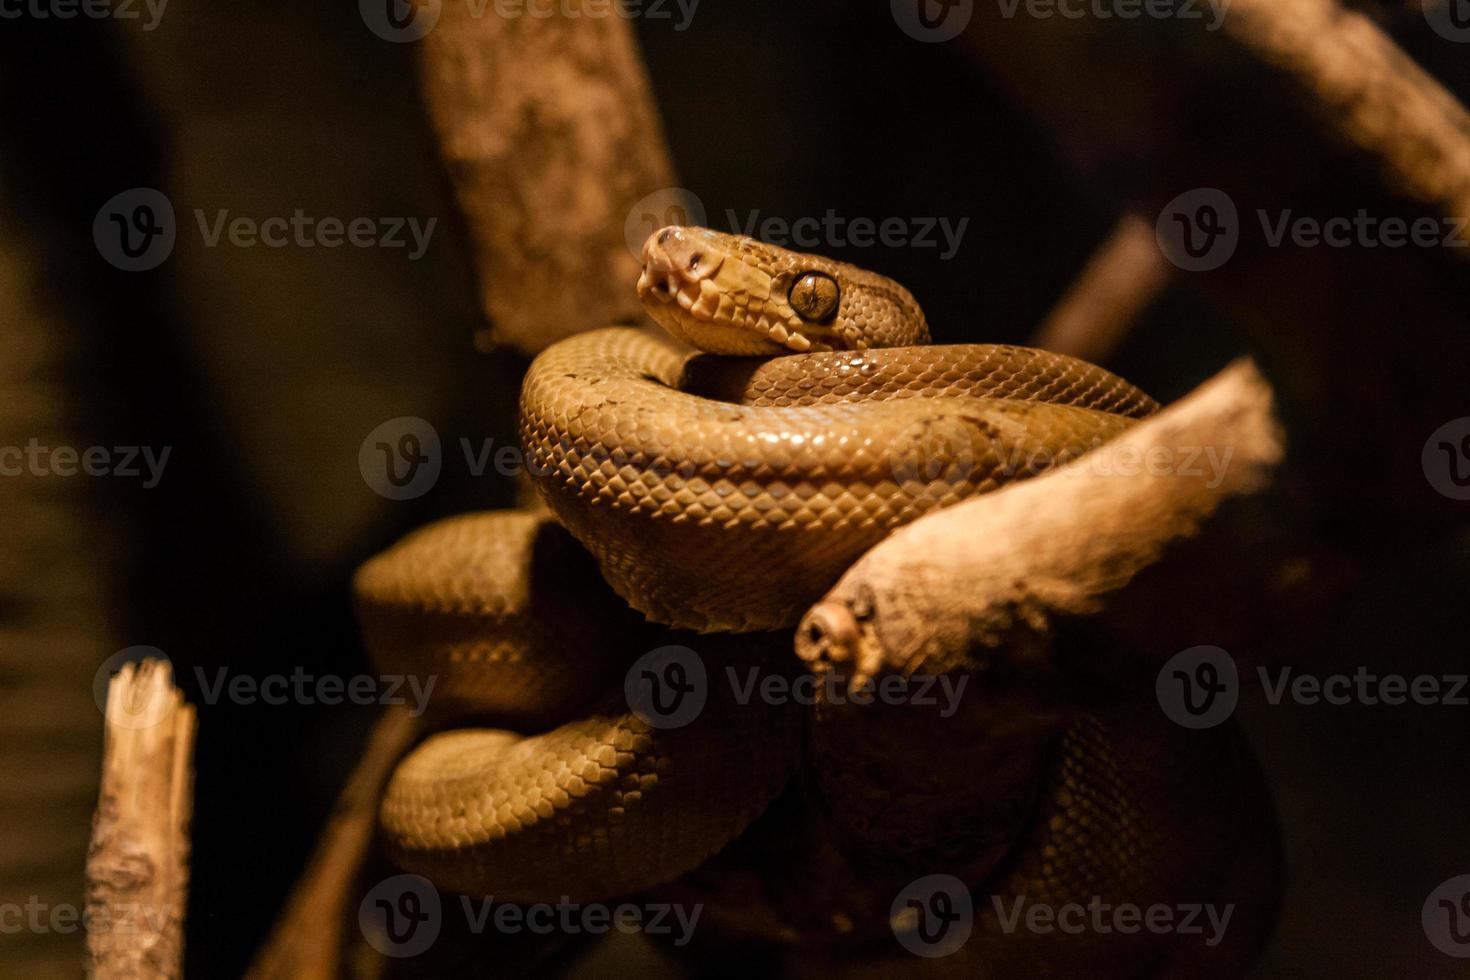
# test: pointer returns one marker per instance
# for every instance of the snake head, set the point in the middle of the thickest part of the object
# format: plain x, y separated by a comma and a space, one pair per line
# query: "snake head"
728, 294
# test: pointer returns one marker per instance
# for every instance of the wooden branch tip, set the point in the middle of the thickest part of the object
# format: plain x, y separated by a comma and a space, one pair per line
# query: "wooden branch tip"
138, 862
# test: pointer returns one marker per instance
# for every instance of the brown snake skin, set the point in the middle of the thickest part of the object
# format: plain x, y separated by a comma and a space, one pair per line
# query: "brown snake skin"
726, 496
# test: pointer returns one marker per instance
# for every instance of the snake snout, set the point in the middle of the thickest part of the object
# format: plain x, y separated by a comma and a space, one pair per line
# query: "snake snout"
676, 261
682, 253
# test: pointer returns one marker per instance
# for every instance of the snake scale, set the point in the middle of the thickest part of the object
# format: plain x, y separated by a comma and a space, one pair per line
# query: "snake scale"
720, 497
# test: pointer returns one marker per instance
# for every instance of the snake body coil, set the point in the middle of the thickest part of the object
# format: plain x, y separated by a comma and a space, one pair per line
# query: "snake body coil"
715, 495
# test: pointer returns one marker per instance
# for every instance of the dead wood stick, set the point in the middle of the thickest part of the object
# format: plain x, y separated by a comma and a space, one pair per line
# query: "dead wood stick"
138, 864
551, 136
993, 573
307, 941
1120, 280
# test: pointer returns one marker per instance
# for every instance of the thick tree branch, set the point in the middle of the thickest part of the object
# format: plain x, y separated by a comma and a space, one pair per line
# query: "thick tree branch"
551, 136
1372, 93
991, 576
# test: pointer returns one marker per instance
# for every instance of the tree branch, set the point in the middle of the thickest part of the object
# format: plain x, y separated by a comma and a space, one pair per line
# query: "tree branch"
138, 865
549, 130
308, 940
988, 578
1121, 279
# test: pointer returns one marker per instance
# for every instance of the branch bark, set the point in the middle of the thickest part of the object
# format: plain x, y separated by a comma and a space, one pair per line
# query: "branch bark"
309, 939
1123, 277
138, 865
549, 130
1372, 93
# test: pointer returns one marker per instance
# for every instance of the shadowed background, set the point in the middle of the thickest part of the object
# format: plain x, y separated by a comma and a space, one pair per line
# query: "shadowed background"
264, 369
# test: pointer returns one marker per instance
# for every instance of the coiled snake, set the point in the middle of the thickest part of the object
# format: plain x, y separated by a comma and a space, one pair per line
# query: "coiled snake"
725, 495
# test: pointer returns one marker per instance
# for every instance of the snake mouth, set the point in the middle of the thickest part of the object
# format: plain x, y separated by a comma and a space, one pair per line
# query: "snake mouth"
711, 297
679, 270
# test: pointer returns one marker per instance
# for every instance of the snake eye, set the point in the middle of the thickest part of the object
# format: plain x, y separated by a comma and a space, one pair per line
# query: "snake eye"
814, 297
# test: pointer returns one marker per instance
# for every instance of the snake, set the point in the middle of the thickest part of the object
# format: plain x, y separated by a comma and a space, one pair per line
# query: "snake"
703, 480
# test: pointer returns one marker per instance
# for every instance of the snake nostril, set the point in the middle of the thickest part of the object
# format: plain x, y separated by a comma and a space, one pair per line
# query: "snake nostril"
663, 236
694, 261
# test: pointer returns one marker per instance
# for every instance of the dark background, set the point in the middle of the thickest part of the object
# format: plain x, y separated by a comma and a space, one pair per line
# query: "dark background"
264, 369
